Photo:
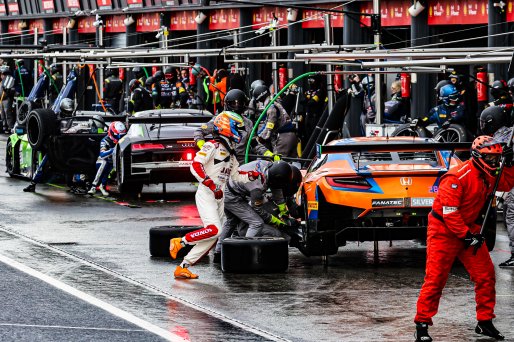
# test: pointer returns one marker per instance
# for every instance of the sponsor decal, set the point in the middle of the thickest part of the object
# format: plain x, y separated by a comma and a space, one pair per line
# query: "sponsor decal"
312, 205
201, 232
449, 210
270, 125
202, 154
406, 181
387, 202
454, 186
422, 201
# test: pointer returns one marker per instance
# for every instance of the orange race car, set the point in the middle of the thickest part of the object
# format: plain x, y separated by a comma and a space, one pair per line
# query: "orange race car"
371, 189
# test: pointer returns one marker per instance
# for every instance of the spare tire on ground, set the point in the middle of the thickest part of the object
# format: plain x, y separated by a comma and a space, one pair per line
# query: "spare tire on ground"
254, 255
160, 239
41, 123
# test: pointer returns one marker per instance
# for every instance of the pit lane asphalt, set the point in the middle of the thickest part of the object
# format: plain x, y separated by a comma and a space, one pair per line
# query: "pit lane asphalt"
101, 248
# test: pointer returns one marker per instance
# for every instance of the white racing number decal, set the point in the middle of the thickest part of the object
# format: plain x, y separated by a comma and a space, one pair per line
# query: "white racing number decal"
449, 210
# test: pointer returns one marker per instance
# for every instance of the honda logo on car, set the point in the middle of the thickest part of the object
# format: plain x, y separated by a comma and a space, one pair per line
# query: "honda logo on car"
406, 181
387, 202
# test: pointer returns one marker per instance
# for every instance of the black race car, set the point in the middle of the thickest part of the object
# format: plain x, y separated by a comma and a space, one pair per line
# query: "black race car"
158, 148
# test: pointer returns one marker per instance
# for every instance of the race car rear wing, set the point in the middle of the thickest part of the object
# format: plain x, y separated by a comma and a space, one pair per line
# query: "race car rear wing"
167, 119
394, 146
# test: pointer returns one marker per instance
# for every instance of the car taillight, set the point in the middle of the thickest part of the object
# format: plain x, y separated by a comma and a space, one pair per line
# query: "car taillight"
189, 155
348, 182
147, 146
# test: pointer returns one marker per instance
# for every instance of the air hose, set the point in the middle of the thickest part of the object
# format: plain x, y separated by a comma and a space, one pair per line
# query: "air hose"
256, 124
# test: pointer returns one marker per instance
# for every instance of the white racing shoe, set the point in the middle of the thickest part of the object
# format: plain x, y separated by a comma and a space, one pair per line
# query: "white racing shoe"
103, 191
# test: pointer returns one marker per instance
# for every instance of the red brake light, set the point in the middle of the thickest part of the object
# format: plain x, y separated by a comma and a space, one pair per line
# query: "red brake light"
147, 146
189, 155
348, 182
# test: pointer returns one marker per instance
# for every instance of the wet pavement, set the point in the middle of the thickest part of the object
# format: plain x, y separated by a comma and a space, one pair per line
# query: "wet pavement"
101, 248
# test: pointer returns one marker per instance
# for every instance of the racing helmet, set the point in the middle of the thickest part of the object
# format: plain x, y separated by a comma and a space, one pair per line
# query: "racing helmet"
158, 76
133, 84
229, 124
510, 85
439, 85
149, 81
196, 69
279, 175
67, 107
235, 101
449, 95
54, 69
254, 85
97, 124
492, 119
499, 89
116, 131
455, 78
292, 187
261, 93
5, 70
19, 62
138, 72
169, 73
368, 83
486, 154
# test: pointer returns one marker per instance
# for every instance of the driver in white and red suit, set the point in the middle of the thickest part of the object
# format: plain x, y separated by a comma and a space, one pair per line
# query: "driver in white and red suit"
213, 165
453, 228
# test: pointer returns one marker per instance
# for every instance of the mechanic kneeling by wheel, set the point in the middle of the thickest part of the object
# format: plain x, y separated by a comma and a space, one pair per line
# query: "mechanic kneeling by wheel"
244, 203
453, 232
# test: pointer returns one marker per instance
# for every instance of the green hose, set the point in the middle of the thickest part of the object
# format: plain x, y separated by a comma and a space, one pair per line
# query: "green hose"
146, 72
21, 80
256, 124
45, 70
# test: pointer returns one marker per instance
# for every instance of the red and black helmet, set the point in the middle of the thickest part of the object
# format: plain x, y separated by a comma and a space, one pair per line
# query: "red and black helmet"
486, 154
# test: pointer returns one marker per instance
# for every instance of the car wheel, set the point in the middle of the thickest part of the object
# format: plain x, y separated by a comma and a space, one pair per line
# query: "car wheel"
160, 239
41, 123
406, 130
254, 255
12, 160
23, 112
453, 133
125, 187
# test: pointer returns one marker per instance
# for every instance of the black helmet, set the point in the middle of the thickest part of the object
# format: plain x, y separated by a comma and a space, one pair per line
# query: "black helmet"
456, 77
492, 119
279, 175
255, 84
293, 186
158, 76
138, 72
67, 107
133, 84
510, 85
261, 93
235, 101
498, 89
149, 81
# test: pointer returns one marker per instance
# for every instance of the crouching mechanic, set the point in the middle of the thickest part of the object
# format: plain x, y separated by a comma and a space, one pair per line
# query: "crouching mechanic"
453, 232
104, 163
213, 165
244, 202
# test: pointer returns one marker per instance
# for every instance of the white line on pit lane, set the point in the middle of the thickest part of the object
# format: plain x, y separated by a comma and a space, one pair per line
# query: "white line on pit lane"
92, 300
65, 327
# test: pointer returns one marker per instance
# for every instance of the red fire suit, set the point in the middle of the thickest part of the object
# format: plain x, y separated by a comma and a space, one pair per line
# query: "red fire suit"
461, 195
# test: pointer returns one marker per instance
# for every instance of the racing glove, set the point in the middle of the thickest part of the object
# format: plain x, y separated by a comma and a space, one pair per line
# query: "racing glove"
473, 240
283, 211
278, 223
200, 143
508, 155
276, 157
253, 175
218, 193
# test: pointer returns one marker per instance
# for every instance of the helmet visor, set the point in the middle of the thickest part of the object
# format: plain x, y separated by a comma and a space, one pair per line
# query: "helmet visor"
493, 160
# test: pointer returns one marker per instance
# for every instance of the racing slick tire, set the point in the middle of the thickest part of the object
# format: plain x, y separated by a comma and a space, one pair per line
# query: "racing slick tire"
26, 107
453, 133
254, 255
41, 123
130, 189
12, 163
406, 130
160, 239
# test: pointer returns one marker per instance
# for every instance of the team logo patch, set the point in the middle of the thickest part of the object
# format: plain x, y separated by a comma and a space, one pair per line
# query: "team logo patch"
202, 154
455, 186
449, 210
312, 205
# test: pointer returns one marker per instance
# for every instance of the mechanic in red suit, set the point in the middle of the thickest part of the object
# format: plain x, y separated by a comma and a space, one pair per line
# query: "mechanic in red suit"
453, 232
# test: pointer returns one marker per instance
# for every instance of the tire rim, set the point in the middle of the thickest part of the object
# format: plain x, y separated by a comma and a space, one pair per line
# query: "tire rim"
448, 135
407, 132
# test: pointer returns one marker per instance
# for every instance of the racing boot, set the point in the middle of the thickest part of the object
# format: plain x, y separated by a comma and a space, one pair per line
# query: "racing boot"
184, 273
508, 263
92, 191
103, 191
30, 188
422, 333
176, 245
487, 328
